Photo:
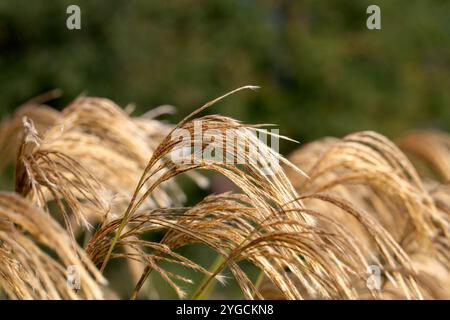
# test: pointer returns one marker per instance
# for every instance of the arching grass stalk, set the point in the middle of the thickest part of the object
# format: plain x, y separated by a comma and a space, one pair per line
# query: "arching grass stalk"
206, 286
152, 161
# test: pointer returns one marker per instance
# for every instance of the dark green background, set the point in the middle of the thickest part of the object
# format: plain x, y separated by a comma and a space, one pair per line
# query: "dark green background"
321, 70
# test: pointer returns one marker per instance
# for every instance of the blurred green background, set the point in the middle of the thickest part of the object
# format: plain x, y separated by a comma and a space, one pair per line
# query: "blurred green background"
322, 72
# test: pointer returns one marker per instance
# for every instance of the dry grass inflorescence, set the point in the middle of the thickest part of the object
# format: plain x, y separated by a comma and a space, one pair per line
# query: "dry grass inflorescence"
315, 228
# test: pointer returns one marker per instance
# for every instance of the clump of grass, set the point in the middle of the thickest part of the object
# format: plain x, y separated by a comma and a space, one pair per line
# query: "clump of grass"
311, 229
372, 173
11, 129
27, 271
433, 148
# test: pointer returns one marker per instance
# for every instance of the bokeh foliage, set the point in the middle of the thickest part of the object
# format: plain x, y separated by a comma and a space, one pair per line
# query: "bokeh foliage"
321, 70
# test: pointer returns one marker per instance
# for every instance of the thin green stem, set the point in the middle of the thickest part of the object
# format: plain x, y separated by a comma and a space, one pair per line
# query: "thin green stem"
260, 279
205, 288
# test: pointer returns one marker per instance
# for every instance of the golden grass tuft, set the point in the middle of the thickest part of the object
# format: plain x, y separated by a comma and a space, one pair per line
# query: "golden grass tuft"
312, 229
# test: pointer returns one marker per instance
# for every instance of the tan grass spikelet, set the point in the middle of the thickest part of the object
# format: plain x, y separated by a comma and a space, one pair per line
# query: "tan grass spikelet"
111, 150
229, 225
395, 264
369, 160
43, 173
292, 241
433, 147
311, 233
26, 270
11, 130
431, 150
107, 141
104, 141
344, 167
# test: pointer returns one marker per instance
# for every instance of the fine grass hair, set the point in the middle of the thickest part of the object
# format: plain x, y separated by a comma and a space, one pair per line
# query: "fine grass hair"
95, 184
